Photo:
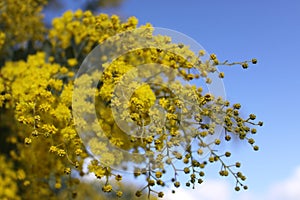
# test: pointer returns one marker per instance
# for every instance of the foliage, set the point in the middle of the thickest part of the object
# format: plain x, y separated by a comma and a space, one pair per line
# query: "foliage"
37, 80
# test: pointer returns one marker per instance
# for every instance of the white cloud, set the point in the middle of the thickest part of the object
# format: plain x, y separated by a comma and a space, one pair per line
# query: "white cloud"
288, 189
208, 190
247, 196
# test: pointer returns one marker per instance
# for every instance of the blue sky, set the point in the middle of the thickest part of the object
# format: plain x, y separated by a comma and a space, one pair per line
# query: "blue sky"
238, 30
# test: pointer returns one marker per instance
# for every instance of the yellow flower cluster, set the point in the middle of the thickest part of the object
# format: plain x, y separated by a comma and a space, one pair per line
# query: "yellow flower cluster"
8, 180
83, 30
142, 99
39, 92
17, 29
42, 103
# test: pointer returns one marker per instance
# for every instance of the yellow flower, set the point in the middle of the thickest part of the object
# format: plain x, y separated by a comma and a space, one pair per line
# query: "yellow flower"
107, 188
2, 39
61, 152
49, 128
27, 141
53, 149
21, 174
57, 185
72, 62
